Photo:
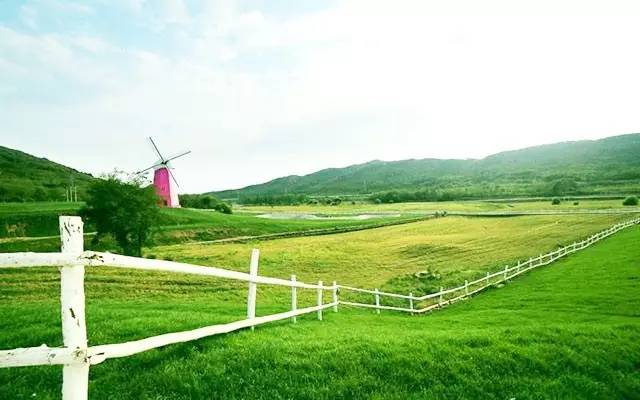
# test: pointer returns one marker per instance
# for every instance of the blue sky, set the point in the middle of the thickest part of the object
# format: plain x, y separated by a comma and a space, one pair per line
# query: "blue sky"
262, 89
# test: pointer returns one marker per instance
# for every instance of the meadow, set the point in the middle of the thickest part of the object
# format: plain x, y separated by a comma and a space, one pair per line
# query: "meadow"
569, 330
444, 250
40, 225
449, 206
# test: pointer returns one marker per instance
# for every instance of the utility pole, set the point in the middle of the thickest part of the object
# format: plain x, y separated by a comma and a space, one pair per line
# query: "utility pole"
73, 194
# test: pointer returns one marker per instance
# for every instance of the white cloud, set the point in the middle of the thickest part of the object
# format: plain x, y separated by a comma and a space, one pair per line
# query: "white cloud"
173, 11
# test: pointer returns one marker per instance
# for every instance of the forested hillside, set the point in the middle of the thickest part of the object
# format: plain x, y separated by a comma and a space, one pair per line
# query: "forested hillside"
606, 166
24, 177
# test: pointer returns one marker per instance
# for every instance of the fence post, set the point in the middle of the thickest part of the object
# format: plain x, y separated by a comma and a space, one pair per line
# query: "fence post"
377, 302
251, 297
319, 300
75, 377
466, 287
518, 267
294, 298
335, 296
506, 270
441, 297
411, 302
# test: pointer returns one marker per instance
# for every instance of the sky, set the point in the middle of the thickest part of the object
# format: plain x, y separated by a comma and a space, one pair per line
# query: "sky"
268, 88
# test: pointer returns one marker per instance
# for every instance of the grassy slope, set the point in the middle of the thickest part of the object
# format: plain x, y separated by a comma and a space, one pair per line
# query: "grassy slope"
455, 248
213, 225
571, 330
25, 178
177, 225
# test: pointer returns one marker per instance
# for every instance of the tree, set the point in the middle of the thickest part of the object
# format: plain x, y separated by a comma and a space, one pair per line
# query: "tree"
204, 201
39, 194
630, 201
123, 208
563, 187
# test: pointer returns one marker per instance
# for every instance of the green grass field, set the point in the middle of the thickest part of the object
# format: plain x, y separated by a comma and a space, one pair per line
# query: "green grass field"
450, 206
175, 225
570, 330
451, 249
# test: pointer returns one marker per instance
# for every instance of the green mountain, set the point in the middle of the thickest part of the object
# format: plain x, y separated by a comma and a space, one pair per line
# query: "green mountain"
24, 177
605, 166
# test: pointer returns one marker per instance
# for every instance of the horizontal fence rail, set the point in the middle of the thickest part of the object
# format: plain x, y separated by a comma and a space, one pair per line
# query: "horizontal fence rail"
76, 356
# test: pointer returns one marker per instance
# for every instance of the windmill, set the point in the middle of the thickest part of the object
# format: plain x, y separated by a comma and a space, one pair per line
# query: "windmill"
163, 179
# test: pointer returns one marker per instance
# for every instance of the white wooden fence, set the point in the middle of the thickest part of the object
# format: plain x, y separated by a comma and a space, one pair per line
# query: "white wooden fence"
445, 297
76, 357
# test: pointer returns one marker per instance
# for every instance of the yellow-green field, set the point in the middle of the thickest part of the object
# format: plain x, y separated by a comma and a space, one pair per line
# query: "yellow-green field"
450, 206
451, 248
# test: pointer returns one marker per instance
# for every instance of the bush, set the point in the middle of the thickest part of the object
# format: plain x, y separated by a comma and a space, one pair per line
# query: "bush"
223, 208
630, 201
274, 200
555, 201
576, 203
204, 201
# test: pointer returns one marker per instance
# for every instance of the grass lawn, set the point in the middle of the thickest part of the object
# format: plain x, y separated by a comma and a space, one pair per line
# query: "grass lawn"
569, 330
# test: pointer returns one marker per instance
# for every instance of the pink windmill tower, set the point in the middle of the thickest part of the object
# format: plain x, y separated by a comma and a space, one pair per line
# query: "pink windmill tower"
165, 183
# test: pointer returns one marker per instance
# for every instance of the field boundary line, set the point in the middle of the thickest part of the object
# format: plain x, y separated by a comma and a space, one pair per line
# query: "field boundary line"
313, 232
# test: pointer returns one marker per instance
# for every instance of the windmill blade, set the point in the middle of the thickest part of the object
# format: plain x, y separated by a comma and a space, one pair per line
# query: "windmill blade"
173, 177
179, 155
156, 147
146, 169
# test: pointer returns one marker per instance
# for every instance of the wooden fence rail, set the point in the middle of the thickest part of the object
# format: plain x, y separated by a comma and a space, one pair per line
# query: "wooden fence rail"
448, 296
76, 357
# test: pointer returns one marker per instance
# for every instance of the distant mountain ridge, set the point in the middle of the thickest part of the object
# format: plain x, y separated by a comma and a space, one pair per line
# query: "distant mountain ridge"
609, 165
24, 177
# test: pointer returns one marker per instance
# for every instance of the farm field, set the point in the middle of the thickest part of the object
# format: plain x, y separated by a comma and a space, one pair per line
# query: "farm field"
176, 225
446, 250
569, 330
449, 206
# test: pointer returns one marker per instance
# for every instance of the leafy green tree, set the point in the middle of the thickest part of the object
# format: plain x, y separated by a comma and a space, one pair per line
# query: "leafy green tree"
123, 208
555, 201
563, 187
204, 201
630, 201
39, 194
